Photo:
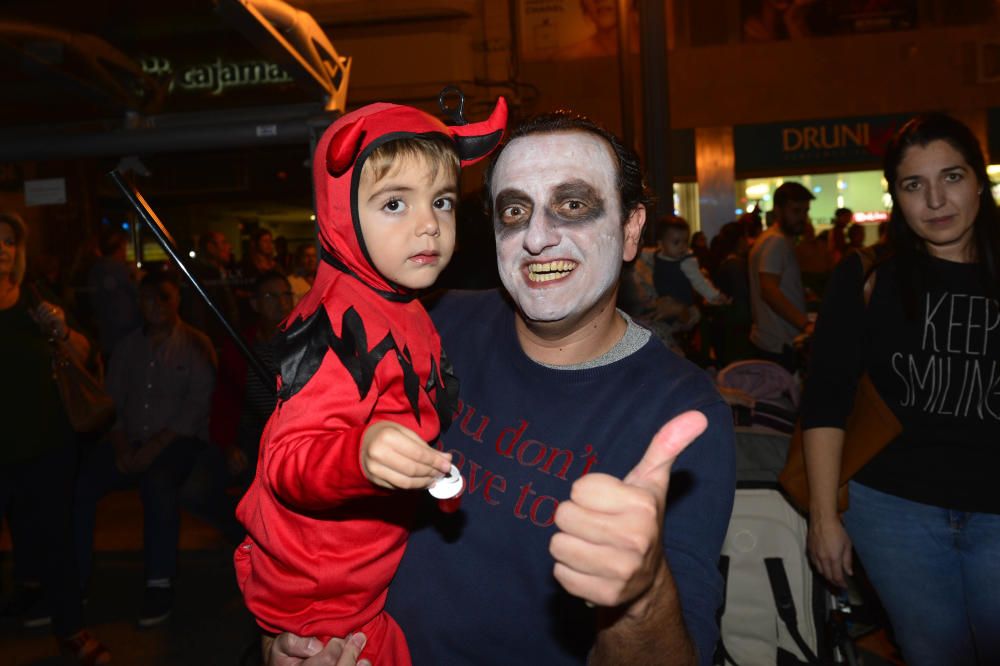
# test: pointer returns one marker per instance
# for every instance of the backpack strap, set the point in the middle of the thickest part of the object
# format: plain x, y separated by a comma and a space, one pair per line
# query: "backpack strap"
783, 601
722, 656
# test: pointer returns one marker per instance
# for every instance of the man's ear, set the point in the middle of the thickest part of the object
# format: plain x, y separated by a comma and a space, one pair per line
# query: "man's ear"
633, 232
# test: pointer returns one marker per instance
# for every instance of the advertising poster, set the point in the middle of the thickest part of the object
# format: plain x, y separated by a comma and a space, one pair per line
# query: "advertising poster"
553, 30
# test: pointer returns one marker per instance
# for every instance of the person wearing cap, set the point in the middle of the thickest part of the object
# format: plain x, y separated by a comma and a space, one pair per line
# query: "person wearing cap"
777, 296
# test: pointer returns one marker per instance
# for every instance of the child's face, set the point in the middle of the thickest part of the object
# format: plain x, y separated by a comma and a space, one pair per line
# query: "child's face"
408, 221
674, 244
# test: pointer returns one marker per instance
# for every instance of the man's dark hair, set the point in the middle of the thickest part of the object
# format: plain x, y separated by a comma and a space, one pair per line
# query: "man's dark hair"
843, 211
631, 188
257, 234
791, 192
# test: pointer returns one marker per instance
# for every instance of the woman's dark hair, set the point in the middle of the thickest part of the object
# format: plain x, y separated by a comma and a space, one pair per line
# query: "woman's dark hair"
907, 246
631, 187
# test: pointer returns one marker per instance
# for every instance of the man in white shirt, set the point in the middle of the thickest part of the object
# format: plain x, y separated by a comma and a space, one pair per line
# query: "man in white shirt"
777, 297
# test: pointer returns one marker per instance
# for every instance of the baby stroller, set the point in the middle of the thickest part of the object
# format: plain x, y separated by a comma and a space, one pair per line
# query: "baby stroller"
776, 609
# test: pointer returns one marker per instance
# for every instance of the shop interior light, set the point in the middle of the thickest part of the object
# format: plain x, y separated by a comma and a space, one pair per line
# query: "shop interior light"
841, 185
993, 170
191, 254
871, 216
758, 190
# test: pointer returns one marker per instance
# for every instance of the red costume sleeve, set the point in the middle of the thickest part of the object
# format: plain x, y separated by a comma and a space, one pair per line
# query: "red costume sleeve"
313, 460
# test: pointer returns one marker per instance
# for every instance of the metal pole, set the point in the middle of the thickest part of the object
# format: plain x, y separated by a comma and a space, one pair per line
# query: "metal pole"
656, 102
625, 88
170, 247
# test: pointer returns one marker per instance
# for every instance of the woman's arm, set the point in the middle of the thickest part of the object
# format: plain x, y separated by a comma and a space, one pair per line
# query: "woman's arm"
828, 544
52, 320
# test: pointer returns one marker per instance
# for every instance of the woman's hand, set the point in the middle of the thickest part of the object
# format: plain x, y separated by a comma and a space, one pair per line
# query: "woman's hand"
52, 320
829, 549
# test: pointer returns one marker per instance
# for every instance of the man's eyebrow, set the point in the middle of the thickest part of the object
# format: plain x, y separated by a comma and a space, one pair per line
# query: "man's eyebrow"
576, 188
511, 194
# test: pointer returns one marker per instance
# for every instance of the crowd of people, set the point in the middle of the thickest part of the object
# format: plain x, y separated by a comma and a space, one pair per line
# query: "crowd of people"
751, 293
189, 412
594, 533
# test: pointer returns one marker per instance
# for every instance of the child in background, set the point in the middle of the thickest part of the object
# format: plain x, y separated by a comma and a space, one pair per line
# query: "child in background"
676, 272
363, 387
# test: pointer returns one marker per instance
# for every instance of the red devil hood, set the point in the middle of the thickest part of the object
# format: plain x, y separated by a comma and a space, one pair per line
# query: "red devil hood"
337, 163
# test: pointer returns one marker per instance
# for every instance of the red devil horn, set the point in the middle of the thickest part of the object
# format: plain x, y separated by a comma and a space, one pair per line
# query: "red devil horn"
343, 147
477, 140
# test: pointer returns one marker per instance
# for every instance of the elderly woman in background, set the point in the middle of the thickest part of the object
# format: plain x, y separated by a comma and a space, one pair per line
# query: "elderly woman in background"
924, 513
38, 458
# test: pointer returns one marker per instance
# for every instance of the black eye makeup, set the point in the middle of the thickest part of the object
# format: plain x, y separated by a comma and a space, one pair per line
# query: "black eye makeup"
576, 201
512, 208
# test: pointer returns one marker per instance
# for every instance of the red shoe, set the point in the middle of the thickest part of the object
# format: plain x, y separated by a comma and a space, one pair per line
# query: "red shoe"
85, 649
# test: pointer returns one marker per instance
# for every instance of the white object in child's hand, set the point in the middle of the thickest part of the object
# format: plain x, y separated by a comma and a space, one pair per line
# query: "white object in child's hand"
447, 486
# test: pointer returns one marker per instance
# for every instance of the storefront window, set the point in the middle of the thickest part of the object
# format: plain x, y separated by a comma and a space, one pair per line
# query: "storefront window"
864, 192
686, 203
993, 171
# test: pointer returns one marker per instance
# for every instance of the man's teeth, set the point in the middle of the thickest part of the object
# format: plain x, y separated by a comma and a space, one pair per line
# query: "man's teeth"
552, 270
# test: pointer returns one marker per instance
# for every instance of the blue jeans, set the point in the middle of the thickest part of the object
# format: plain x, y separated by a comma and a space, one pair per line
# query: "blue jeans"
159, 487
937, 573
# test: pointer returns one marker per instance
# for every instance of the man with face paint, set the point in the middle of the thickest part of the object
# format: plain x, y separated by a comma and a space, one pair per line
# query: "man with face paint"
567, 547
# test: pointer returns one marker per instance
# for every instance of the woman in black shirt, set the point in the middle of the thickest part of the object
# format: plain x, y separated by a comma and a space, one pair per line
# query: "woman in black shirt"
924, 516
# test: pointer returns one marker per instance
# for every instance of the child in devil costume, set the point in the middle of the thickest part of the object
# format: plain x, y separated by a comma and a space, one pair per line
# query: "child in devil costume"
363, 385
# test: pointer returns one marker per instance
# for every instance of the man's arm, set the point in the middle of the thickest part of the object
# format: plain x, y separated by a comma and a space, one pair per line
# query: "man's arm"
770, 292
650, 630
608, 552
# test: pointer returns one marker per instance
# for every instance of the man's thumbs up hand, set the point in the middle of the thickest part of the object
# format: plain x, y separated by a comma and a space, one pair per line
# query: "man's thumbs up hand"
608, 548
653, 471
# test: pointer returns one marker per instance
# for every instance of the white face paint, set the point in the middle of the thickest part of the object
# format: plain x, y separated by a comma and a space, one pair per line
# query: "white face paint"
557, 218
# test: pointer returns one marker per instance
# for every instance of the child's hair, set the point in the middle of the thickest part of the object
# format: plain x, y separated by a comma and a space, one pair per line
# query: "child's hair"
437, 152
669, 223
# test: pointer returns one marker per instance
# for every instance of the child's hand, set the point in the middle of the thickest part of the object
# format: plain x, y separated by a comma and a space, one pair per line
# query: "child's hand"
393, 456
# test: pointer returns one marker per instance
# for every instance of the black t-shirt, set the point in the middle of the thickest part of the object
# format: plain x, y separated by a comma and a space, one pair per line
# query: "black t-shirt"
30, 408
939, 373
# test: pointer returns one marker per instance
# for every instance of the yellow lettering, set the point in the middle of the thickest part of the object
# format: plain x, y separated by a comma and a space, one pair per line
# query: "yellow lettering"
791, 139
811, 138
853, 134
827, 142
